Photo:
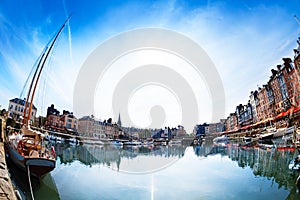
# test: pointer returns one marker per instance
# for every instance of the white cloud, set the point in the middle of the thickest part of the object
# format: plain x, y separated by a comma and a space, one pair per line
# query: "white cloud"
243, 45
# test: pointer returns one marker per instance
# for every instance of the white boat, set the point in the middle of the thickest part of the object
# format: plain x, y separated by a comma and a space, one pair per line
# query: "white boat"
147, 143
59, 140
72, 141
175, 142
27, 149
295, 164
133, 143
92, 141
116, 143
266, 136
283, 131
221, 139
247, 140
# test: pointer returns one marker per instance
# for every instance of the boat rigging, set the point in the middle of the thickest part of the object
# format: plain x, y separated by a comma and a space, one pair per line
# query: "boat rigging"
27, 149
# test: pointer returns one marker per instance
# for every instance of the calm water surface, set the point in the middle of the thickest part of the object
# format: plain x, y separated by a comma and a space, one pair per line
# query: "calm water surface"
208, 171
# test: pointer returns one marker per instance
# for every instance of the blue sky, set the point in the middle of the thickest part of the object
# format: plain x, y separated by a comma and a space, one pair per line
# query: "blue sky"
245, 39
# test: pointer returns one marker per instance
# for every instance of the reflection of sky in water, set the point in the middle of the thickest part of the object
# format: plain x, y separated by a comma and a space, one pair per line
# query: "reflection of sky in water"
191, 177
145, 164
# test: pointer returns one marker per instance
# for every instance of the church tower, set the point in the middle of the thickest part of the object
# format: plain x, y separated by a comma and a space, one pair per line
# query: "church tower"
119, 121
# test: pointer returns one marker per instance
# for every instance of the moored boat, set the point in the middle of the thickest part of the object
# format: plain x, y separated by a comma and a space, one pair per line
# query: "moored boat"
72, 141
27, 148
93, 141
175, 142
280, 132
266, 136
116, 143
29, 152
221, 139
295, 163
133, 143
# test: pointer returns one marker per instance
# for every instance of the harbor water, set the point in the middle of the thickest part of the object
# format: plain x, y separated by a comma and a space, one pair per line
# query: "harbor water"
206, 171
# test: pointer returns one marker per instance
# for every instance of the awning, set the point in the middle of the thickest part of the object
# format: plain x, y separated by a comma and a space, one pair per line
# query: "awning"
263, 121
245, 127
230, 131
297, 109
289, 111
282, 114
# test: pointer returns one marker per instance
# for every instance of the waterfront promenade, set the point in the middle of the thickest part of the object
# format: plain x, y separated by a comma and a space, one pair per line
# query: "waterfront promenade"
6, 188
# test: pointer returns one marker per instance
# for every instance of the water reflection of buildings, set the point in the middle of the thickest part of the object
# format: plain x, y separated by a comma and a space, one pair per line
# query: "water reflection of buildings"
265, 162
112, 155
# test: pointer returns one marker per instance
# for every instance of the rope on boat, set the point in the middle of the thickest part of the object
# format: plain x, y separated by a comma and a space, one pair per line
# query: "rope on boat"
31, 192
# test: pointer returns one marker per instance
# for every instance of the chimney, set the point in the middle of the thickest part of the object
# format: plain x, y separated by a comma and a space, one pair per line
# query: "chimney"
274, 72
279, 67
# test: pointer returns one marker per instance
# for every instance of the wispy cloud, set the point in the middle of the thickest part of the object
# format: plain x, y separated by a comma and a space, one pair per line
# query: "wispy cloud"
243, 45
244, 41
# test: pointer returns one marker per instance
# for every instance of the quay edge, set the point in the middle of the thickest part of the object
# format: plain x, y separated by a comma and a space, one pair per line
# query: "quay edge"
7, 190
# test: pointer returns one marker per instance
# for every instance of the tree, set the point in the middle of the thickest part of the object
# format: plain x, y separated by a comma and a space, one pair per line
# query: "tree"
3, 112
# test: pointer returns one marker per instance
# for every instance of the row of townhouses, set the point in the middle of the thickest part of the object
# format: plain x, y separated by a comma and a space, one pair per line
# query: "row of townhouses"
211, 128
277, 100
87, 126
66, 122
91, 127
167, 132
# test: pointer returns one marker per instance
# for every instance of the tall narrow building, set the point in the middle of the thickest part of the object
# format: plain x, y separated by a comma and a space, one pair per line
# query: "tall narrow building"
119, 121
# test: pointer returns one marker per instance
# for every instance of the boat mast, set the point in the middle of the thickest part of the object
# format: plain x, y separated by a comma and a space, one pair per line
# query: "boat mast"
30, 87
40, 68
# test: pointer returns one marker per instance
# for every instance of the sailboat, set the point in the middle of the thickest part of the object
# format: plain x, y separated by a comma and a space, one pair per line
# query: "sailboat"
27, 149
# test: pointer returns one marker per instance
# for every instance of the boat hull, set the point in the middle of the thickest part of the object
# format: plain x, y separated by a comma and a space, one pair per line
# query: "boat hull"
266, 136
221, 139
37, 166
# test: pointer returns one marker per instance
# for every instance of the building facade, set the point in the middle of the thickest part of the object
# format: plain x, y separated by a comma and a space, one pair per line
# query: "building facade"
253, 102
69, 121
262, 106
66, 122
296, 78
231, 122
199, 129
213, 128
277, 99
91, 127
86, 126
244, 114
16, 108
291, 76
